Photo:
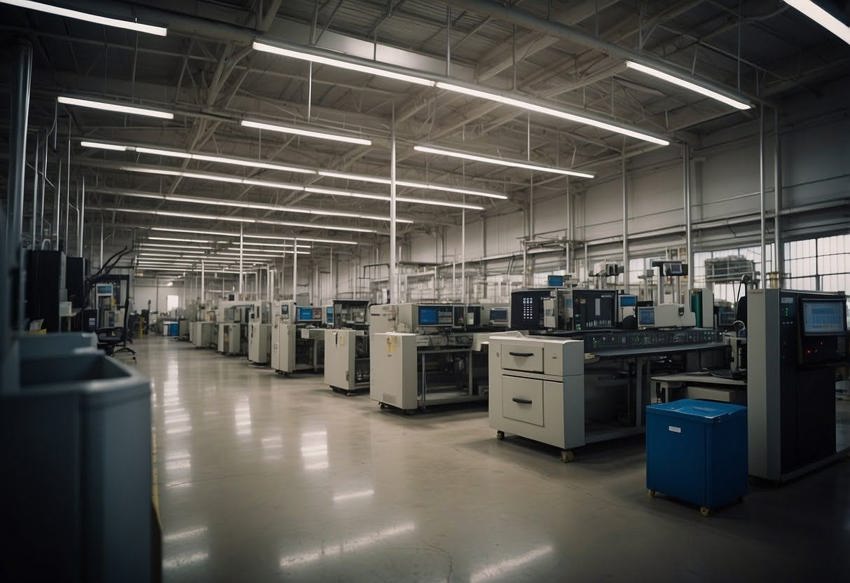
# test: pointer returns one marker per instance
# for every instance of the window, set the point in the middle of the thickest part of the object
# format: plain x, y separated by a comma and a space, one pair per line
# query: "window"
818, 264
172, 303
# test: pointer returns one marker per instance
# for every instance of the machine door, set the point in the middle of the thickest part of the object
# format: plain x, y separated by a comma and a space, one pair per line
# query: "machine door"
522, 399
522, 357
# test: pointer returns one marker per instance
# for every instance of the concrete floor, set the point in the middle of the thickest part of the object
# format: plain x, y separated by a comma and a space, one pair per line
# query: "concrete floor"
262, 477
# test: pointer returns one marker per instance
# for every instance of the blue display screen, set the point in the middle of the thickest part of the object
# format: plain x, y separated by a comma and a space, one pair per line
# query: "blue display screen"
555, 281
646, 316
823, 317
330, 314
628, 301
304, 314
428, 316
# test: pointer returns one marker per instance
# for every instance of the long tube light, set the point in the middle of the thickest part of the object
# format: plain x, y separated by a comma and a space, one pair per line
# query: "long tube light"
385, 71
295, 187
411, 184
551, 111
243, 204
200, 157
117, 107
822, 17
93, 18
205, 217
305, 132
246, 235
500, 161
287, 168
179, 239
737, 104
174, 246
341, 63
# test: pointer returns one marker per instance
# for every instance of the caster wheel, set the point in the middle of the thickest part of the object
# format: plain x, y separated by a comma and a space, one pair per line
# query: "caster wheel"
500, 435
652, 493
383, 405
567, 456
704, 510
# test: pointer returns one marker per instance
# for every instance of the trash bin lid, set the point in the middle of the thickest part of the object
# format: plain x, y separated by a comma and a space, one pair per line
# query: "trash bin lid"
705, 411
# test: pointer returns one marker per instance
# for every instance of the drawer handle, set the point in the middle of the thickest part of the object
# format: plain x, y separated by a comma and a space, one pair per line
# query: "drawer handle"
521, 401
521, 353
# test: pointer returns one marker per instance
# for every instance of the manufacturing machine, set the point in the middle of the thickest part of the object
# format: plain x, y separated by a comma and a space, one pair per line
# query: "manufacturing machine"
702, 305
233, 330
665, 316
259, 333
564, 309
795, 342
298, 341
432, 354
347, 346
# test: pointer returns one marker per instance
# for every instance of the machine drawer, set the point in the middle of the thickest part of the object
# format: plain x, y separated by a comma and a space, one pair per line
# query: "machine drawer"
522, 357
522, 399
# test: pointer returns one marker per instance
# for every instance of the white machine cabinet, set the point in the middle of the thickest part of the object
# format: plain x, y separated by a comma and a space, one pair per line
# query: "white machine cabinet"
202, 334
230, 338
344, 371
392, 370
537, 390
259, 336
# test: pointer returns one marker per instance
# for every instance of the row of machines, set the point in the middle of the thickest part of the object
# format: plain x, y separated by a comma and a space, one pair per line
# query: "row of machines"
430, 354
233, 329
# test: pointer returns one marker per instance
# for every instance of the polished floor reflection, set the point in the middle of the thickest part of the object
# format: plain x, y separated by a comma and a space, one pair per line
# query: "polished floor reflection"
265, 478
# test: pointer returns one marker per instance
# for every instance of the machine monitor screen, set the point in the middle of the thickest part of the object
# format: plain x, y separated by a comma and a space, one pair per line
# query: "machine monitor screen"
284, 309
498, 314
429, 316
555, 281
628, 301
823, 317
646, 316
329, 314
304, 314
673, 269
104, 289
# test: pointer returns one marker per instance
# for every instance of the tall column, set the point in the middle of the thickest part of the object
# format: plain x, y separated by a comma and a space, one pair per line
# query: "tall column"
779, 248
11, 280
625, 228
761, 198
393, 259
686, 188
295, 270
241, 273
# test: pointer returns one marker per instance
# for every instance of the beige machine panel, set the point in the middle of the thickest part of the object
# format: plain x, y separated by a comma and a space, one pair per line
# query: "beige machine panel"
524, 357
522, 399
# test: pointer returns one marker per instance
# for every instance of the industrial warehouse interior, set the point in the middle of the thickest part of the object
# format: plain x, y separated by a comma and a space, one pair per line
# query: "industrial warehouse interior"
420, 290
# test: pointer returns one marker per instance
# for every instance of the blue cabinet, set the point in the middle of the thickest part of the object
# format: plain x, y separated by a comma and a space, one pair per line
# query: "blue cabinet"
696, 451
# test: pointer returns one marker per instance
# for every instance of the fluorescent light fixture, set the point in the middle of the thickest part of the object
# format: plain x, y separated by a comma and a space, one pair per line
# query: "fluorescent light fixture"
551, 111
737, 104
205, 217
93, 18
341, 63
179, 239
200, 157
355, 177
101, 146
500, 161
247, 236
311, 240
244, 204
410, 184
822, 17
307, 133
447, 188
172, 246
457, 205
106, 106
194, 231
285, 186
